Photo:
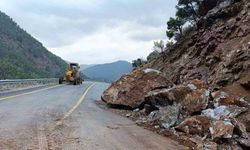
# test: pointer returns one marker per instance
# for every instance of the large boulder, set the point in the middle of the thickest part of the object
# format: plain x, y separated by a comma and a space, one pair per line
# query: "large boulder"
245, 119
196, 125
224, 112
208, 145
244, 142
192, 96
195, 101
245, 82
240, 128
223, 98
166, 117
222, 129
129, 91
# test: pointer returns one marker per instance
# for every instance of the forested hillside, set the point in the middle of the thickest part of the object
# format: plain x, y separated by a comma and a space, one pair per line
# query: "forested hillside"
22, 56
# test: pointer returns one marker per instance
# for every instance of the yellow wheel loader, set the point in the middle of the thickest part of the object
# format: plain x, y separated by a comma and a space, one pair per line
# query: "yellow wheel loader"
72, 75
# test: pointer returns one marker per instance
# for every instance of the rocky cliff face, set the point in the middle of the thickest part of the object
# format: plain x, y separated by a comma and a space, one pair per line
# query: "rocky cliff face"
201, 90
218, 52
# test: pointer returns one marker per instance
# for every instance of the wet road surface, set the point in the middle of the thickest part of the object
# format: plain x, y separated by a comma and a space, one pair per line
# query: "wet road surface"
67, 118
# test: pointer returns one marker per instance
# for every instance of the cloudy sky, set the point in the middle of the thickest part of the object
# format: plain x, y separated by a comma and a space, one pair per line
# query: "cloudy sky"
93, 31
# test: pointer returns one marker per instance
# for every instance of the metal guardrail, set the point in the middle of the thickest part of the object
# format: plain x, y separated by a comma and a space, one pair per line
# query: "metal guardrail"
45, 80
6, 85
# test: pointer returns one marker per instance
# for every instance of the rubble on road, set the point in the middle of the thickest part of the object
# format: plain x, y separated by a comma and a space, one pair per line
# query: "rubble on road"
200, 92
192, 111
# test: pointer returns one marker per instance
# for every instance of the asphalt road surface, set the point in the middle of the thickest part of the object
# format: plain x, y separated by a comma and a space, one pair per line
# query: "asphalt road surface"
66, 117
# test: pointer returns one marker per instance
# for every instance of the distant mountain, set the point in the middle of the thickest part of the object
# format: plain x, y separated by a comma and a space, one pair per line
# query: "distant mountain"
85, 66
22, 56
108, 72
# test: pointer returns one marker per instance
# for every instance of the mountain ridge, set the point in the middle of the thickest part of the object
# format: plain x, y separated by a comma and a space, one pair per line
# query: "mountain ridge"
23, 56
108, 72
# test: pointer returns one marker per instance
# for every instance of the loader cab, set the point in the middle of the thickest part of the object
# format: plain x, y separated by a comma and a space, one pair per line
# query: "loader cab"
74, 66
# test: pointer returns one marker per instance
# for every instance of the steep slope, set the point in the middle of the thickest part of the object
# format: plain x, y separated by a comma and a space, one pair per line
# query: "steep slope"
108, 72
208, 104
22, 56
218, 52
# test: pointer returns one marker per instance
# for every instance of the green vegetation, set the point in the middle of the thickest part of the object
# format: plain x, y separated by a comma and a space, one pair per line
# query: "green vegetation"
22, 56
138, 62
175, 27
152, 56
187, 11
187, 15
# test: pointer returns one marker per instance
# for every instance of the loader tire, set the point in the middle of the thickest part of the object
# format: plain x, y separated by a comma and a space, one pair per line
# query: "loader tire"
75, 82
60, 80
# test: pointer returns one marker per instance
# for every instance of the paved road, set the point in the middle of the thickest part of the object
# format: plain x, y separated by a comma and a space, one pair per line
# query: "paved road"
66, 117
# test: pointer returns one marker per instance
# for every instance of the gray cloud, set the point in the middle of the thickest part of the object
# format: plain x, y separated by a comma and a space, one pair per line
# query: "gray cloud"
62, 24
